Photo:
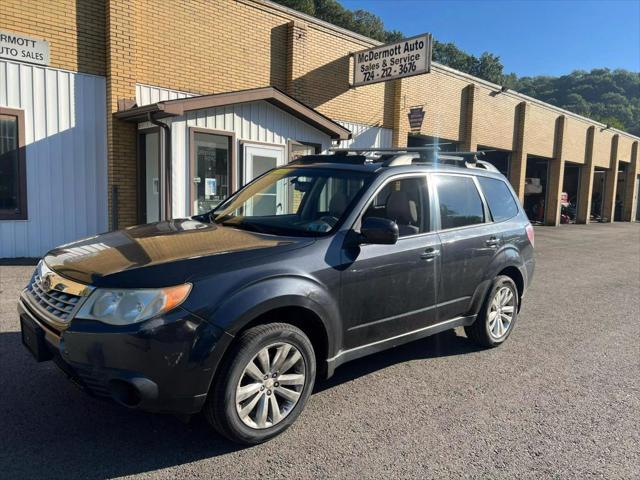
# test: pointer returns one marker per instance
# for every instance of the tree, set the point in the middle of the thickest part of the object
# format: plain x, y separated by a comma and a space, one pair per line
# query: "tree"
450, 55
488, 67
304, 6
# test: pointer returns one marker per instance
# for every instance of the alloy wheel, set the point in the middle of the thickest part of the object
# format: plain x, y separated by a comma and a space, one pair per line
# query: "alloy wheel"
270, 385
501, 312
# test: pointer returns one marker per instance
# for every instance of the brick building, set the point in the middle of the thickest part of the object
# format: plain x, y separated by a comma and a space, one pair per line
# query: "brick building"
146, 110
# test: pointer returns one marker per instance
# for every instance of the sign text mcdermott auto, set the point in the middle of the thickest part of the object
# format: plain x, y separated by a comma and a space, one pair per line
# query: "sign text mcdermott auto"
389, 62
18, 47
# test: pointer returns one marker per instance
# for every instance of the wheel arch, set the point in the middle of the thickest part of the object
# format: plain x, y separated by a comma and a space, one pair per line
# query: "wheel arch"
299, 301
306, 320
515, 274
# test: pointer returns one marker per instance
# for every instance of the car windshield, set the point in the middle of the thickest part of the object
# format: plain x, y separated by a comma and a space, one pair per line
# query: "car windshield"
293, 201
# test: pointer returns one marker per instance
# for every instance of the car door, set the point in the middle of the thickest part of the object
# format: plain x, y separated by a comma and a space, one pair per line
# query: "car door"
389, 290
469, 240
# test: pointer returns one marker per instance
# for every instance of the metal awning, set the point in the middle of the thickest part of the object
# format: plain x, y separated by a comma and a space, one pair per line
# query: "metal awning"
170, 108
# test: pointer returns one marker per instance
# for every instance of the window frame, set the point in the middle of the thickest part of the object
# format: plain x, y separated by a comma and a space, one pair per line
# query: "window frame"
21, 213
292, 143
488, 219
357, 224
232, 170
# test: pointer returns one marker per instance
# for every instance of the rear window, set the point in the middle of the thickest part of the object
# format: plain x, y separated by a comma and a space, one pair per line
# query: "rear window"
501, 202
460, 202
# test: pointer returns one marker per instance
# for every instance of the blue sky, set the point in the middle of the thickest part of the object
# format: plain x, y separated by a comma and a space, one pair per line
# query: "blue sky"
543, 37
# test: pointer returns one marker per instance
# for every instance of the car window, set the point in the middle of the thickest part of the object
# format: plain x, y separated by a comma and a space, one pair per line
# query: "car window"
405, 201
460, 202
501, 202
293, 201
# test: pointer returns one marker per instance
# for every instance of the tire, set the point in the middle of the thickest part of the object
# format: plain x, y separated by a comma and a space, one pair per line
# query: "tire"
486, 331
226, 407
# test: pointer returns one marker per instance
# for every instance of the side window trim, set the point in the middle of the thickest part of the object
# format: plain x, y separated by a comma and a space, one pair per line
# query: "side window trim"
436, 207
488, 217
20, 213
358, 221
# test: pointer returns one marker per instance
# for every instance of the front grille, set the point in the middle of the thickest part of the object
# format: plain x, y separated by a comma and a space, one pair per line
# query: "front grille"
57, 304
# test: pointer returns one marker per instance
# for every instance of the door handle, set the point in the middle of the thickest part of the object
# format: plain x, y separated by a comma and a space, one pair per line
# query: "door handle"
492, 242
430, 253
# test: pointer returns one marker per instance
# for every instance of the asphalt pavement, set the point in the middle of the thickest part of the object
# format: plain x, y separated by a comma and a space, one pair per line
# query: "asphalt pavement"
561, 399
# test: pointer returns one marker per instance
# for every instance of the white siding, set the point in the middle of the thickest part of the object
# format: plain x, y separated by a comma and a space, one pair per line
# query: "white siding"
147, 94
366, 136
255, 121
66, 158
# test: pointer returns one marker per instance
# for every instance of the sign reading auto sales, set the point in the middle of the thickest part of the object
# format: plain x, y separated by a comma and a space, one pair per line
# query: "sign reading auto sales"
23, 48
390, 62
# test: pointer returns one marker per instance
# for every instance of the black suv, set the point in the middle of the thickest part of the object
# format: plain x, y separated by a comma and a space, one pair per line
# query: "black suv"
236, 312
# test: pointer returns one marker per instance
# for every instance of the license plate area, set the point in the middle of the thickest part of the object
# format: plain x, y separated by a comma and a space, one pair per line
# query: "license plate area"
33, 339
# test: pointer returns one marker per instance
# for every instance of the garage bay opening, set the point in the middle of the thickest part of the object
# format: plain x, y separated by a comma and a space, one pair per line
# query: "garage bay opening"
570, 193
535, 189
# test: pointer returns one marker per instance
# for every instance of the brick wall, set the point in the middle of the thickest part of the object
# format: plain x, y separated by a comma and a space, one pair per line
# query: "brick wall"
602, 147
74, 29
540, 131
575, 140
121, 136
442, 100
208, 47
496, 117
625, 149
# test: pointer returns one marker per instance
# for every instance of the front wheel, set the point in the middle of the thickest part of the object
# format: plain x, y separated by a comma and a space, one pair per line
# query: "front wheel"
497, 316
263, 385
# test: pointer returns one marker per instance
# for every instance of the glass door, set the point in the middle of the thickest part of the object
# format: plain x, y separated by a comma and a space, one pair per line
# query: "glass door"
210, 167
258, 159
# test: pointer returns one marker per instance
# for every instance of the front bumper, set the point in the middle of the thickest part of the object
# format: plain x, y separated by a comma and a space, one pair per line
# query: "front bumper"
165, 364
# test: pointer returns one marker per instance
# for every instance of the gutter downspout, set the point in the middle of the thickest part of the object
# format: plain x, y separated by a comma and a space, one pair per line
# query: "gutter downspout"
165, 166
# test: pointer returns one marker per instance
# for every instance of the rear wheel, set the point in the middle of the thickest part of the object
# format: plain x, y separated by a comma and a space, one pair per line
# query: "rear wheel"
498, 314
263, 385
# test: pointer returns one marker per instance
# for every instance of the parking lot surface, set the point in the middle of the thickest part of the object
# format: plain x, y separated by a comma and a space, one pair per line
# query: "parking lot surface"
561, 399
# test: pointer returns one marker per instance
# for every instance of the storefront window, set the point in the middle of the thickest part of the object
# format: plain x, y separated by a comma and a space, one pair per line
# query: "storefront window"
212, 154
13, 203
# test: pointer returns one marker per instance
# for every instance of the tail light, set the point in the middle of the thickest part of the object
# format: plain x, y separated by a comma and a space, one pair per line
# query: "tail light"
530, 234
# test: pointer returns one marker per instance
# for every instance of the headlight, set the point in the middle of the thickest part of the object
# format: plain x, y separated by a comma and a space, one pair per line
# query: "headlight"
127, 306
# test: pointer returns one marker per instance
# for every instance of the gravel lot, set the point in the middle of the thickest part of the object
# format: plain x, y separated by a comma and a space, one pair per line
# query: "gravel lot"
561, 399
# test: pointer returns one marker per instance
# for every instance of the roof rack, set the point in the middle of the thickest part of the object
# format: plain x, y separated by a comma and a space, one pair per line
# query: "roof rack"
425, 148
399, 156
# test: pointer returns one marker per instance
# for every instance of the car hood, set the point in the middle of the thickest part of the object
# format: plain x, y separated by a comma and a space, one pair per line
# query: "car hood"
140, 256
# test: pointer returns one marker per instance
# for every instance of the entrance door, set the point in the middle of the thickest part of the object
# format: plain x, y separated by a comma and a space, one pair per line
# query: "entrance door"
211, 168
389, 290
258, 159
149, 144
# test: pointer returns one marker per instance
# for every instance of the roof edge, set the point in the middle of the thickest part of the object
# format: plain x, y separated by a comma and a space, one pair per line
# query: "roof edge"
273, 95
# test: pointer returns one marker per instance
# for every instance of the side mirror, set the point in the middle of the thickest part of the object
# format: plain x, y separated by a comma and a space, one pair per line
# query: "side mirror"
381, 231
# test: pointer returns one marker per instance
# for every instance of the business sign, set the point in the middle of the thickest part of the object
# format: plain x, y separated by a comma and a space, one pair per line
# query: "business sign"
395, 60
22, 48
416, 116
